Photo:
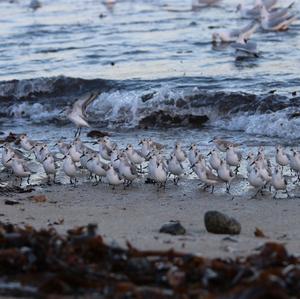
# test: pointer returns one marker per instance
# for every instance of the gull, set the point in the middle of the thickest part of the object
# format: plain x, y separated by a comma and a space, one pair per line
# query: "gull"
160, 175
214, 159
295, 163
49, 166
228, 36
281, 157
175, 168
127, 170
275, 23
225, 174
20, 169
113, 177
244, 49
135, 157
77, 113
256, 180
26, 143
179, 152
252, 12
206, 176
279, 182
233, 158
222, 144
62, 146
98, 168
70, 169
193, 154
276, 14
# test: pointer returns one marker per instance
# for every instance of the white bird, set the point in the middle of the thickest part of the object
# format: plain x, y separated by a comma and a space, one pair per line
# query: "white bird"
295, 163
233, 157
193, 154
70, 169
179, 152
49, 166
244, 48
135, 157
277, 21
26, 143
214, 159
281, 157
256, 180
228, 36
20, 169
74, 153
175, 168
248, 12
98, 168
62, 146
113, 177
250, 158
77, 113
206, 176
115, 162
279, 182
127, 170
160, 174
146, 147
7, 154
105, 150
225, 174
222, 144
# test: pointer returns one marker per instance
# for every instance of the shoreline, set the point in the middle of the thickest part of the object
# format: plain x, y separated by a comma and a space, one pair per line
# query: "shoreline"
137, 213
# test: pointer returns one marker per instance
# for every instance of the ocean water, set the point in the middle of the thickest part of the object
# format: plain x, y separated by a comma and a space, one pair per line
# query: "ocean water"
155, 67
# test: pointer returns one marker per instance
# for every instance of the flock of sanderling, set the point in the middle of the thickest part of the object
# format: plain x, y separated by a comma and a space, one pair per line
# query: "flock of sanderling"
123, 166
262, 13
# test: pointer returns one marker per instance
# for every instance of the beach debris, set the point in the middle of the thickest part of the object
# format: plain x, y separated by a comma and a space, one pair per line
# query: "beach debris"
97, 134
259, 233
11, 202
148, 96
38, 198
219, 223
173, 228
15, 189
38, 263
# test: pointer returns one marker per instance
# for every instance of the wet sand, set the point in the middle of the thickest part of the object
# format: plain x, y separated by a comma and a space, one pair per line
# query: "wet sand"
136, 215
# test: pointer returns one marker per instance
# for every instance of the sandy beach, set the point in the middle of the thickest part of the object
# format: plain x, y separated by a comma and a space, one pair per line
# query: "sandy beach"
137, 213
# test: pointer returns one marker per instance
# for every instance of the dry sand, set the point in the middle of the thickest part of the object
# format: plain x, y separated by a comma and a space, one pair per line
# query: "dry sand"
136, 214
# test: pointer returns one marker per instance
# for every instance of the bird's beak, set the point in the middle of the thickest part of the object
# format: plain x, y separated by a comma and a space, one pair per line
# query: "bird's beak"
90, 159
211, 141
248, 157
116, 159
140, 142
190, 148
9, 160
82, 155
252, 163
96, 142
192, 166
126, 149
55, 144
44, 159
209, 154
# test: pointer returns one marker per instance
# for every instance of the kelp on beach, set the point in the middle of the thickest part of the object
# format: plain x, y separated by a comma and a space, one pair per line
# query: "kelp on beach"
35, 263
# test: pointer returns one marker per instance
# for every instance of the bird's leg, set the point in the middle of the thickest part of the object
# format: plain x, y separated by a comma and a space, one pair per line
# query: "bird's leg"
237, 169
79, 131
298, 178
287, 193
76, 133
205, 187
212, 189
274, 197
28, 180
71, 182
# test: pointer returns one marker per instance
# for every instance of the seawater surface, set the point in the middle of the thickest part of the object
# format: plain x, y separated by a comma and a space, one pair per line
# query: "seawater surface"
155, 66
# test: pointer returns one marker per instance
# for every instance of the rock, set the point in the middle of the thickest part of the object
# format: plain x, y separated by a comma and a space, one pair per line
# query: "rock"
173, 228
97, 134
219, 223
148, 96
11, 202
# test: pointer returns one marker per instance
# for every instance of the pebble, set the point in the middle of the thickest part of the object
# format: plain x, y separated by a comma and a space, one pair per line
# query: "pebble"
173, 228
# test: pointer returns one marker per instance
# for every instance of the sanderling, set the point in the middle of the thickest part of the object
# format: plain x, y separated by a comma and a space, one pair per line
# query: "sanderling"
113, 177
179, 152
214, 159
104, 149
160, 174
127, 170
295, 163
279, 182
26, 143
233, 158
175, 168
70, 169
193, 154
135, 157
98, 168
222, 144
225, 174
21, 170
281, 157
62, 146
49, 166
77, 113
256, 180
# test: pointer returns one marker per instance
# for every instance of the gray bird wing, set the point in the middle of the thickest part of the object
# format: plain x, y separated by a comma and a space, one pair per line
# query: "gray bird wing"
133, 169
277, 21
248, 27
249, 47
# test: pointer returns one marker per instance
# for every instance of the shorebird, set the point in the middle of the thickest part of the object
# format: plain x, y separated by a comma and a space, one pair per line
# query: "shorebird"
70, 169
77, 113
281, 157
26, 143
250, 158
127, 170
256, 180
222, 144
160, 175
74, 153
62, 146
295, 163
49, 166
113, 177
146, 147
233, 158
279, 182
214, 159
225, 174
135, 157
193, 154
248, 12
229, 36
20, 169
180, 154
105, 149
206, 176
7, 154
98, 168
175, 168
